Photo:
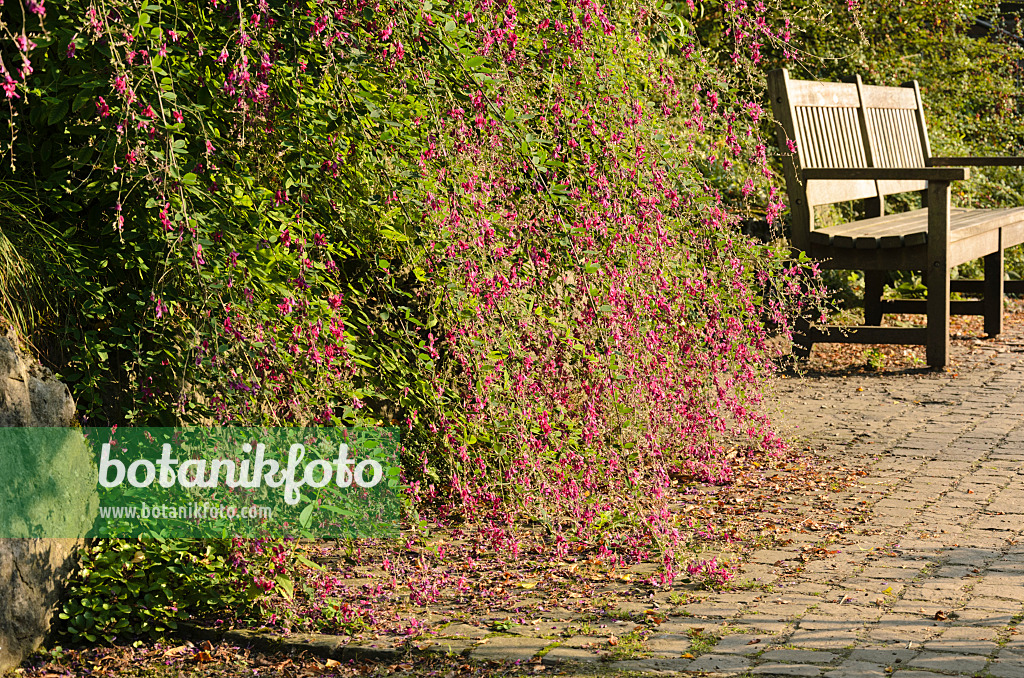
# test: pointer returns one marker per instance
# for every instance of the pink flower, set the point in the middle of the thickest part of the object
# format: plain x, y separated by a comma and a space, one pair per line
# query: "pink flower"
161, 307
10, 87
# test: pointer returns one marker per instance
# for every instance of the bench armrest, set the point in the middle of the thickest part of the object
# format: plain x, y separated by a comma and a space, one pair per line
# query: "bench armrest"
974, 161
883, 173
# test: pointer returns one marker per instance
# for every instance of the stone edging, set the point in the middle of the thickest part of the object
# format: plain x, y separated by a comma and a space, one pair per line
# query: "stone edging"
322, 645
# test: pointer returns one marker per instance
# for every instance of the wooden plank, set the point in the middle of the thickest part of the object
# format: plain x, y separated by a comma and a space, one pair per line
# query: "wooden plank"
977, 225
975, 161
876, 96
978, 286
968, 249
828, 140
806, 147
852, 233
801, 209
829, 192
922, 126
854, 132
847, 137
1013, 234
890, 187
912, 155
917, 238
975, 222
822, 94
902, 147
865, 134
921, 306
861, 334
890, 223
923, 173
898, 132
877, 140
909, 258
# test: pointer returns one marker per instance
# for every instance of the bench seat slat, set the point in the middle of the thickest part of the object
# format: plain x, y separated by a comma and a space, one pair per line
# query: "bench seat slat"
911, 228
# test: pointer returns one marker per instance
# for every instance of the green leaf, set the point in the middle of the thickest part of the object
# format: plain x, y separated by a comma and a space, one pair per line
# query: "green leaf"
306, 517
286, 587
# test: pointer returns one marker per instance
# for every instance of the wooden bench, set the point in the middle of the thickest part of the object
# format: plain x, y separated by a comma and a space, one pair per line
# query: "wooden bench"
862, 142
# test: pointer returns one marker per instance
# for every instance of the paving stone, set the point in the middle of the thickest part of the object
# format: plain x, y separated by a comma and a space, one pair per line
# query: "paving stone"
917, 674
948, 663
775, 611
844, 611
562, 654
668, 644
1006, 668
1015, 593
770, 557
786, 670
961, 645
888, 656
463, 631
508, 648
741, 643
681, 627
984, 617
799, 657
986, 603
718, 663
585, 641
822, 639
446, 646
706, 610
756, 622
857, 669
894, 627
652, 665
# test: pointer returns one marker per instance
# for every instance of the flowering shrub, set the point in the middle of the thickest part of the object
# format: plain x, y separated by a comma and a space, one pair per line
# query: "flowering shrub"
493, 223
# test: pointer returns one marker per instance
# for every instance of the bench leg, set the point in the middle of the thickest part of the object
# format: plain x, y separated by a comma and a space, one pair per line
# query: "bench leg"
874, 283
937, 275
994, 293
938, 318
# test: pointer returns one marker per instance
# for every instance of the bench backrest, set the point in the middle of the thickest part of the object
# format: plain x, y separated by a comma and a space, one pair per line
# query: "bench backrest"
844, 125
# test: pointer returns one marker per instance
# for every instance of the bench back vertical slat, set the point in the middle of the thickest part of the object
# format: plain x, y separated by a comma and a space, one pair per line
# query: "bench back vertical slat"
827, 135
895, 124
